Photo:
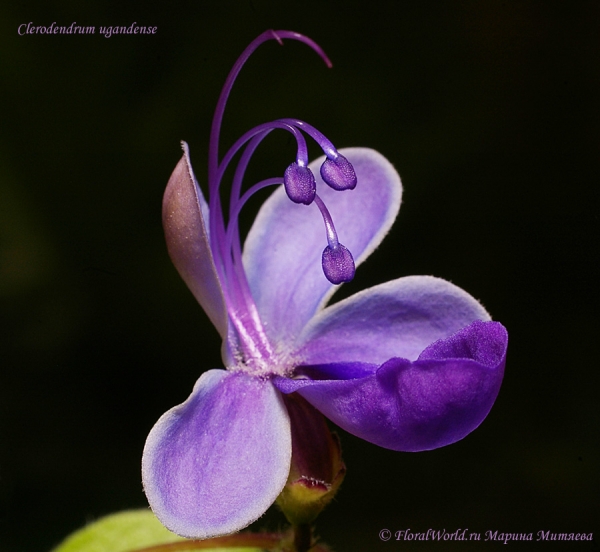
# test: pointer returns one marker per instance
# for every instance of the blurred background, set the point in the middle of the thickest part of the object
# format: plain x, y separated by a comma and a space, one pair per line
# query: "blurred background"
489, 111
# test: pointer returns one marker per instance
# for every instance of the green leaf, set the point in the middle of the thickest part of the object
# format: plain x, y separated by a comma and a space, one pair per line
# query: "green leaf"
126, 532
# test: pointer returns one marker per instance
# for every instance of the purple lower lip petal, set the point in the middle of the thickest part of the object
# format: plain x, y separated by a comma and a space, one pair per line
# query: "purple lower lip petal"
415, 405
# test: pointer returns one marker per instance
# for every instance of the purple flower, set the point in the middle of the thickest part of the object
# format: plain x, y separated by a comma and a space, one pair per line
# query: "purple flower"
412, 364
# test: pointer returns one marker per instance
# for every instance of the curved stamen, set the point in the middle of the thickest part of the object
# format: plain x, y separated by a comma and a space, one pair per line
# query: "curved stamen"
232, 257
332, 238
240, 303
213, 152
336, 171
237, 207
217, 223
233, 263
337, 261
237, 268
234, 266
300, 186
263, 130
326, 145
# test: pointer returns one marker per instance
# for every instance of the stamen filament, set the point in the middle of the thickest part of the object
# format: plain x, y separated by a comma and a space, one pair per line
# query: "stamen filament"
234, 264
332, 238
325, 144
234, 268
263, 131
213, 152
237, 207
224, 241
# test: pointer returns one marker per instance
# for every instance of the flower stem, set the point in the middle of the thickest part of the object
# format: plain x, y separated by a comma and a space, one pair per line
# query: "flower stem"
302, 537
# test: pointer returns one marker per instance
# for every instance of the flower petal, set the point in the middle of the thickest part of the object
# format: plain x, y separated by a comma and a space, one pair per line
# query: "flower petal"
396, 319
411, 406
215, 463
282, 254
185, 222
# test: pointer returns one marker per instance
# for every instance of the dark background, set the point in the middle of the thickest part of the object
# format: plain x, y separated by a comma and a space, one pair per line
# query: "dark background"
490, 112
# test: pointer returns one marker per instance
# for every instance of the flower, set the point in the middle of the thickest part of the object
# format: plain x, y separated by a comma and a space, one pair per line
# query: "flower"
412, 364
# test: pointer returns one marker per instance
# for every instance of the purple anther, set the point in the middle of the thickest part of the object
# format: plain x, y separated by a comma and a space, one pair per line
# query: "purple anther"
338, 264
300, 184
339, 173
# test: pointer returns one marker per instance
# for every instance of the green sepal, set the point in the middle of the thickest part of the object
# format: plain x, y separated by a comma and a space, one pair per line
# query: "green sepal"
129, 531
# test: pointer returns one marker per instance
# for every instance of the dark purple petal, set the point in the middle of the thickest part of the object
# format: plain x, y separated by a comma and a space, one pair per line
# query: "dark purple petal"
421, 405
306, 375
282, 254
214, 464
484, 343
185, 221
396, 319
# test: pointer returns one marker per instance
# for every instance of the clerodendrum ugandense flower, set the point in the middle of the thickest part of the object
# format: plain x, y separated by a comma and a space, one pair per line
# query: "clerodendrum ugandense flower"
412, 364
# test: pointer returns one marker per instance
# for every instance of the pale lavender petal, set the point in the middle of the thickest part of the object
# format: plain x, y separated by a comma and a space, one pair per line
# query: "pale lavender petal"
214, 464
396, 319
185, 222
411, 406
282, 254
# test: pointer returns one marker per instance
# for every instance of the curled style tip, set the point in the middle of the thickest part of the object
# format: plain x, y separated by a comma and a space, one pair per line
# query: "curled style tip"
280, 35
276, 37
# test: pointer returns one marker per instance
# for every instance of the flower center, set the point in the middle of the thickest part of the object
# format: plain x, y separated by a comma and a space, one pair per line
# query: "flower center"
254, 351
